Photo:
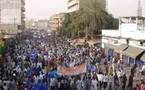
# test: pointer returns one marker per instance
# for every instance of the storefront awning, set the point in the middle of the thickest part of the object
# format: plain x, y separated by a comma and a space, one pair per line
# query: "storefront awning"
107, 46
120, 48
142, 58
133, 52
116, 48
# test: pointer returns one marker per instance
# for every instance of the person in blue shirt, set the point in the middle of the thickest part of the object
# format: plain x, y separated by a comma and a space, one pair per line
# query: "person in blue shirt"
45, 84
38, 85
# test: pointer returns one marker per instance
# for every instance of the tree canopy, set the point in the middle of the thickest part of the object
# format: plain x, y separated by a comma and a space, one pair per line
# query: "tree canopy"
88, 21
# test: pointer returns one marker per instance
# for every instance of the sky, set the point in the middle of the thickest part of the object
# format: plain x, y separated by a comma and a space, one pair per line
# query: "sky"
43, 9
125, 7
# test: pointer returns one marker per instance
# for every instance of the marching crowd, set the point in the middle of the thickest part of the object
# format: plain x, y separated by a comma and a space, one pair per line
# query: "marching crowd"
32, 58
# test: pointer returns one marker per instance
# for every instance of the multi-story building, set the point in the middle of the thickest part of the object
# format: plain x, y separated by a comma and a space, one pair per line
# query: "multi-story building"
56, 21
128, 40
12, 16
29, 24
74, 5
41, 24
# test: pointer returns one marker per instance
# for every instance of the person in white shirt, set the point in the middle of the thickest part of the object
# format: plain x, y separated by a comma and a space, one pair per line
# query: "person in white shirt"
94, 84
105, 81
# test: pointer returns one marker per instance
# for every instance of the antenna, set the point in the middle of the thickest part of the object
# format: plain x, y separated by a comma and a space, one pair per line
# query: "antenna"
139, 10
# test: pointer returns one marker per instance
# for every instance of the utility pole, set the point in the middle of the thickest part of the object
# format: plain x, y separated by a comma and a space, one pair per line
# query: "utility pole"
15, 28
139, 14
139, 10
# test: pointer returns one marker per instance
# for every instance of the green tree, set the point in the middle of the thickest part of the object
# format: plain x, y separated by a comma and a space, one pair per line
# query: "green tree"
89, 21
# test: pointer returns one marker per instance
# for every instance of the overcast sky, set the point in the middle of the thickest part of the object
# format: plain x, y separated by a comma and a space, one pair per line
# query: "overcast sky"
43, 9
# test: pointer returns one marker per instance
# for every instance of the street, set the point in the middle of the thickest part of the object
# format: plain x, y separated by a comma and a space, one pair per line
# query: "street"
31, 63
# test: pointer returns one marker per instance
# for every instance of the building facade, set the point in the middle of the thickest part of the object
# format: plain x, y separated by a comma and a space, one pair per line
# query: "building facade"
55, 22
74, 5
128, 40
12, 15
41, 24
29, 24
131, 31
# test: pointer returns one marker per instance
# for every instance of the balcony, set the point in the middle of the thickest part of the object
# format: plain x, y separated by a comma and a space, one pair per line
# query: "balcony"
73, 8
23, 9
23, 16
23, 2
72, 2
69, 1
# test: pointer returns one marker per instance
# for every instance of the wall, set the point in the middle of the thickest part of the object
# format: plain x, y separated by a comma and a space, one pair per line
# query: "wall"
41, 24
72, 5
113, 33
11, 16
10, 11
56, 21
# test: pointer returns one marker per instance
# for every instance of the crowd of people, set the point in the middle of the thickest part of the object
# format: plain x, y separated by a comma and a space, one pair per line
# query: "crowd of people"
31, 56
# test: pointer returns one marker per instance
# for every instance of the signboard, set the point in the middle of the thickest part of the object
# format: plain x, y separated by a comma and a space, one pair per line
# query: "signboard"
72, 70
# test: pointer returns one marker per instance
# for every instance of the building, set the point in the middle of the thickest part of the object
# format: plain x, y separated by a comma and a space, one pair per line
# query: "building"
12, 16
128, 40
29, 24
74, 5
41, 24
56, 21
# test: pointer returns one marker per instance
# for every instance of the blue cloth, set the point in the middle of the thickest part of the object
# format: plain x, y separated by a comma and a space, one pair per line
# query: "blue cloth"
45, 53
131, 60
110, 52
28, 84
91, 68
29, 72
53, 74
38, 86
45, 86
139, 62
33, 56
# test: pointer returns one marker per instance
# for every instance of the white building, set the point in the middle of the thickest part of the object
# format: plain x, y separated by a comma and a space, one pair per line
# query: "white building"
12, 13
129, 38
56, 21
74, 5
30, 24
41, 24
